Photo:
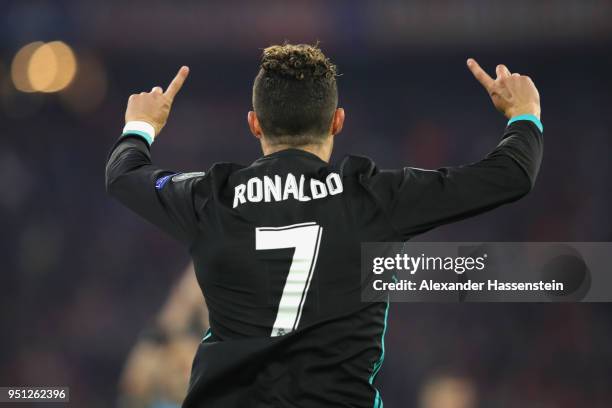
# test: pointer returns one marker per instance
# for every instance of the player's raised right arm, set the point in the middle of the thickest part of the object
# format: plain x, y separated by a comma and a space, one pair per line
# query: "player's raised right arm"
152, 192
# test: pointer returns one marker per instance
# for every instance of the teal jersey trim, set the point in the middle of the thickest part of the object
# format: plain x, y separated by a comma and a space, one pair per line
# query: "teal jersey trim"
147, 137
379, 363
207, 335
377, 399
531, 118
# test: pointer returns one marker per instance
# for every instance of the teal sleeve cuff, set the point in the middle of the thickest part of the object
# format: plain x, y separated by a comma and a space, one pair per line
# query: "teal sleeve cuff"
144, 135
531, 118
140, 128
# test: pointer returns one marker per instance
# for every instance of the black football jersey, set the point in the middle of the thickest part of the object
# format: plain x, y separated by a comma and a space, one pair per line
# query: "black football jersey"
276, 248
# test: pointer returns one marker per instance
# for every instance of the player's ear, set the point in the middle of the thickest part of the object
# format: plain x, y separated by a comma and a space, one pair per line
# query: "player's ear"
254, 125
337, 121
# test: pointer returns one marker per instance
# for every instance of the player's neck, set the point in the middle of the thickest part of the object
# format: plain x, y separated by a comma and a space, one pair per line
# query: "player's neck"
321, 150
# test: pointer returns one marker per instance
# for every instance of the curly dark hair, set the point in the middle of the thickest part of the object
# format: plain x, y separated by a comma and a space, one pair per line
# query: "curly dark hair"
299, 62
295, 94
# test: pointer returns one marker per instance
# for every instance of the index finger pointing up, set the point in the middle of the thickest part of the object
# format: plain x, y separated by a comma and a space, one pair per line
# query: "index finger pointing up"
482, 77
177, 82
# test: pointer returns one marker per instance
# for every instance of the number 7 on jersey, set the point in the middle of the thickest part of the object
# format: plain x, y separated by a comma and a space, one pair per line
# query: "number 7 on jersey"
305, 238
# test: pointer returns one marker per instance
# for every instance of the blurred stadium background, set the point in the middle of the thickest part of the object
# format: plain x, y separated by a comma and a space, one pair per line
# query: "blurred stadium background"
81, 276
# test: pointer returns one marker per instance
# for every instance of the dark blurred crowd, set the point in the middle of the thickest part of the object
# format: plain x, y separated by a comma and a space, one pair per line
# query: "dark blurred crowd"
81, 276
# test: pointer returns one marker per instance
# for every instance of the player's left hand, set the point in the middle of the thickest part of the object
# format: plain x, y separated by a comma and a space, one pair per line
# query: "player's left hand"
154, 107
512, 94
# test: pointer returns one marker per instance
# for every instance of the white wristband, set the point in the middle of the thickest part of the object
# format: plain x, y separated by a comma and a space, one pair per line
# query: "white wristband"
140, 128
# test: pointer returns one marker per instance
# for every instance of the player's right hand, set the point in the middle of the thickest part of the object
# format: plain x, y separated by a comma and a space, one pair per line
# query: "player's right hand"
512, 94
154, 107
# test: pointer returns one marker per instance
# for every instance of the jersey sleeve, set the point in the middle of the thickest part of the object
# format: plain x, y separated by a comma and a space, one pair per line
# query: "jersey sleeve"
163, 197
417, 200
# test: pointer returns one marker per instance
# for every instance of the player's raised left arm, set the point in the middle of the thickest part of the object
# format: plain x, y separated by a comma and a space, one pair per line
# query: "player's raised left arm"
423, 199
150, 191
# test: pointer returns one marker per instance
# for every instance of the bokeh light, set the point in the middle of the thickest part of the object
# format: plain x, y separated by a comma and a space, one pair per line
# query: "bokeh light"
44, 67
52, 67
19, 67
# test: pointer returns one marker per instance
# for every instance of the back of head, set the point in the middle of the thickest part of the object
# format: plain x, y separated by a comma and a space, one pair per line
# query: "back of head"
295, 94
